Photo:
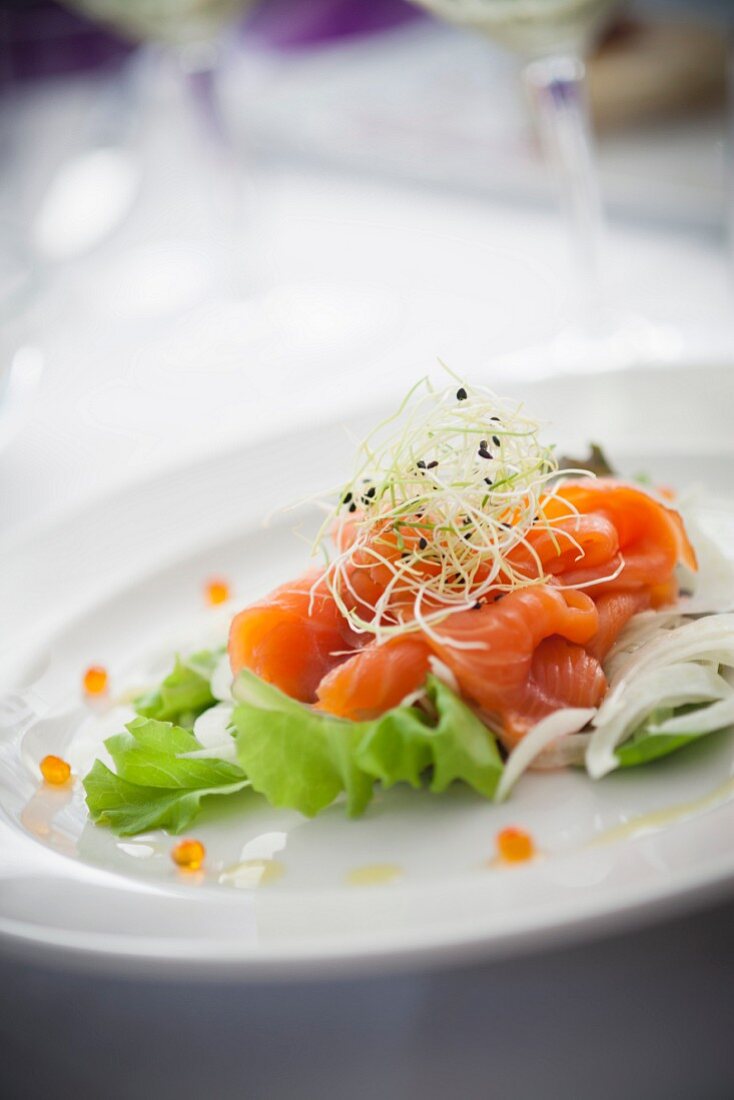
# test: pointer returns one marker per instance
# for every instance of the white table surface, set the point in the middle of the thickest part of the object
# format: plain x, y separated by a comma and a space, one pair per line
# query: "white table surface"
355, 287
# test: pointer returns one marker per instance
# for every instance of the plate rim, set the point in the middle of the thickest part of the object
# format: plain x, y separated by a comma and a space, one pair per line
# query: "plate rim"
630, 909
680, 891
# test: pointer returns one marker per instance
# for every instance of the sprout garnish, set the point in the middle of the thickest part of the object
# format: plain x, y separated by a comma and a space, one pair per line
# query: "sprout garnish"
444, 491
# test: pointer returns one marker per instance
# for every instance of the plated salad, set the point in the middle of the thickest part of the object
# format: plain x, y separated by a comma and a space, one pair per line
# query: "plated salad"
480, 608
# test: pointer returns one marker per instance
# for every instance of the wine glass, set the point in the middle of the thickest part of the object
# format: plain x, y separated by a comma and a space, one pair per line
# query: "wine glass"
186, 240
551, 39
180, 22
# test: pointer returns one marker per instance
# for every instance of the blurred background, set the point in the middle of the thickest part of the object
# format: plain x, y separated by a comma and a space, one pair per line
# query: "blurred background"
221, 217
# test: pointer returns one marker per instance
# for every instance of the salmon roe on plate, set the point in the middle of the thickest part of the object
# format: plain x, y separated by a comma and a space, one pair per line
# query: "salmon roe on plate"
188, 854
515, 845
55, 770
217, 591
95, 680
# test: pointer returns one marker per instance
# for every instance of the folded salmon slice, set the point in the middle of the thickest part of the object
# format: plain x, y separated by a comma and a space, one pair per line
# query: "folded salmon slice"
573, 540
615, 610
651, 538
606, 536
502, 674
293, 637
376, 679
562, 675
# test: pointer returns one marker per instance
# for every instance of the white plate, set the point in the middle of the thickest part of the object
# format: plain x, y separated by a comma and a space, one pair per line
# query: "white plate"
280, 894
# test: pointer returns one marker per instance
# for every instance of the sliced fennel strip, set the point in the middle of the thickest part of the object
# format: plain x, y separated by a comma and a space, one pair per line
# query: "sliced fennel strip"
716, 716
711, 639
555, 726
627, 706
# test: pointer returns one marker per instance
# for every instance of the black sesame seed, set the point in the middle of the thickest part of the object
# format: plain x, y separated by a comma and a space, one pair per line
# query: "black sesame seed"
352, 507
461, 394
432, 465
496, 441
483, 444
369, 494
421, 464
484, 453
476, 606
422, 544
488, 480
347, 498
495, 418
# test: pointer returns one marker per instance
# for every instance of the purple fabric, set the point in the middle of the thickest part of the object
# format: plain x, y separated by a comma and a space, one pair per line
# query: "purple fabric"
39, 38
298, 24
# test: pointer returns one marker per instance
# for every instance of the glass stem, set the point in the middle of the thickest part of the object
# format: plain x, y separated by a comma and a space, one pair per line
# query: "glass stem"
222, 170
557, 90
200, 70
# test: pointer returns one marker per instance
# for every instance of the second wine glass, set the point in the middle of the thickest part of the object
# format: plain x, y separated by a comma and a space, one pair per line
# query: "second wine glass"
552, 39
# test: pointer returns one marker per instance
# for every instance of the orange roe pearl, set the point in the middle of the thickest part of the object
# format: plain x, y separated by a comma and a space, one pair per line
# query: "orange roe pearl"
217, 591
515, 845
95, 680
188, 854
55, 770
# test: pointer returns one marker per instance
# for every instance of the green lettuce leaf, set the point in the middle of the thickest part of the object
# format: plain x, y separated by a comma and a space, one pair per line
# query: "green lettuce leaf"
295, 756
185, 692
148, 754
154, 786
643, 747
303, 759
402, 745
129, 808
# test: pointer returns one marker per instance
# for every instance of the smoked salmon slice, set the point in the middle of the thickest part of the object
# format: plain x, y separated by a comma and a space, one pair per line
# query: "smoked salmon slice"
291, 638
590, 541
562, 675
491, 650
376, 679
615, 610
651, 537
